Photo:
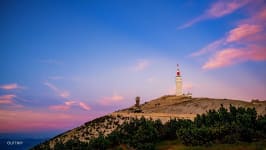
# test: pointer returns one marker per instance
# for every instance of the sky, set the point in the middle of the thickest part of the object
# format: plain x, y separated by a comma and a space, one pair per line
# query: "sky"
64, 63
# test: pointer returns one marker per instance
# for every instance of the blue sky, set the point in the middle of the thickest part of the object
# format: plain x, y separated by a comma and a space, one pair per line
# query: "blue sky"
83, 59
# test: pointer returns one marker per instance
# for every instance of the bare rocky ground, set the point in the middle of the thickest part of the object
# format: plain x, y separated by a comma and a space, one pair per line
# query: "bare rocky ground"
171, 104
163, 108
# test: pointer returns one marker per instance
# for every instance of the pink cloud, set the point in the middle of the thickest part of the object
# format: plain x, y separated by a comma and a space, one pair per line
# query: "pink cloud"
113, 99
225, 7
61, 93
26, 120
245, 42
10, 86
84, 106
243, 31
256, 53
7, 99
64, 94
241, 34
67, 104
8, 96
232, 56
218, 9
70, 103
223, 58
261, 15
258, 14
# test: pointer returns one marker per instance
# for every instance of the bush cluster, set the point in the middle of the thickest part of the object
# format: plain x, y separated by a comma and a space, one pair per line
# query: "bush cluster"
223, 126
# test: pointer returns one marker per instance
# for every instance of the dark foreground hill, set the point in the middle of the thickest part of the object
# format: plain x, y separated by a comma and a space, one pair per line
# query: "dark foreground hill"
163, 108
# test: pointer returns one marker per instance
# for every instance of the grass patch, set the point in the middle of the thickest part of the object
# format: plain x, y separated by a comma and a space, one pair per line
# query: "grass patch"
177, 145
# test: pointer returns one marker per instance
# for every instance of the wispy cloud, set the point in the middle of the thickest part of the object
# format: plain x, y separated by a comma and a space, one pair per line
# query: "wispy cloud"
11, 86
61, 93
112, 99
216, 10
51, 86
84, 106
224, 58
142, 64
64, 94
230, 56
63, 107
68, 104
9, 101
245, 42
214, 46
225, 7
244, 32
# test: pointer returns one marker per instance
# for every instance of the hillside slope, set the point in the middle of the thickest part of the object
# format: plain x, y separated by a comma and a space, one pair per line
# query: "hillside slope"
163, 108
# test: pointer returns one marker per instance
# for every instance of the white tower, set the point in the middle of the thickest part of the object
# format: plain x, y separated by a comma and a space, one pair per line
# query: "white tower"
178, 82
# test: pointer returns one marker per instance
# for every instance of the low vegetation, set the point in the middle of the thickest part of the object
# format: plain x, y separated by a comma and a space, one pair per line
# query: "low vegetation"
222, 127
177, 145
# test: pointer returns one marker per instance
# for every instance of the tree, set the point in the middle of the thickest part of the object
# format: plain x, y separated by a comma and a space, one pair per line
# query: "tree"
100, 143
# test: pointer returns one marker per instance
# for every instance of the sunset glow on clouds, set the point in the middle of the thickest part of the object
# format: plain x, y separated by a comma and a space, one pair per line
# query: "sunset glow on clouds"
244, 31
65, 63
225, 7
111, 100
243, 43
9, 102
225, 57
36, 120
12, 86
218, 9
84, 106
7, 99
68, 104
